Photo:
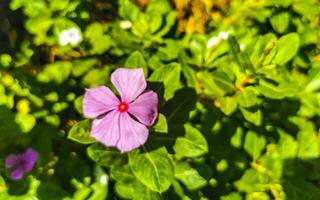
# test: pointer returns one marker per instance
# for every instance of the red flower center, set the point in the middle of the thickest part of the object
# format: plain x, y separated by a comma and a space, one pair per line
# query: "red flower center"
123, 107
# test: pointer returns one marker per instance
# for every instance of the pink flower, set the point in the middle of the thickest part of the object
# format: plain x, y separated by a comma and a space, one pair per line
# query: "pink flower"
21, 163
122, 123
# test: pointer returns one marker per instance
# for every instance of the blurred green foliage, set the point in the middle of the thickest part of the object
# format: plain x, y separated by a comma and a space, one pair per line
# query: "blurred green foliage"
239, 118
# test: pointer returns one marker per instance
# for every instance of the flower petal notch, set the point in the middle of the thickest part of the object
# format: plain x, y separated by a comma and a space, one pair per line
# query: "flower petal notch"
19, 164
124, 122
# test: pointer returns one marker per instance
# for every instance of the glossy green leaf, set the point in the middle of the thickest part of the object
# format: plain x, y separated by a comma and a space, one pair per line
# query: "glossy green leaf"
161, 126
80, 132
215, 84
227, 104
136, 60
105, 156
253, 115
288, 46
169, 76
193, 144
280, 21
188, 176
154, 169
254, 144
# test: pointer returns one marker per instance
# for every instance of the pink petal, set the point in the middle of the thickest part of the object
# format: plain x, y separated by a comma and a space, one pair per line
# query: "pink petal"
106, 130
17, 174
98, 101
30, 157
145, 108
12, 160
130, 83
133, 134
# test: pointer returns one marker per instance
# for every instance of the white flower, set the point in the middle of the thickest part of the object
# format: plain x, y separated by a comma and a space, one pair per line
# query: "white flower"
223, 35
104, 179
216, 40
125, 24
70, 36
213, 42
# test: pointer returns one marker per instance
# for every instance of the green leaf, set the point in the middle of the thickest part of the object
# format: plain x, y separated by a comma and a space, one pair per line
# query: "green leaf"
99, 41
57, 72
314, 80
169, 76
246, 97
216, 84
232, 196
264, 50
154, 169
241, 58
227, 104
105, 156
309, 144
128, 186
253, 115
249, 182
25, 121
80, 132
82, 66
288, 147
136, 60
192, 145
288, 46
161, 125
254, 144
271, 91
188, 176
280, 21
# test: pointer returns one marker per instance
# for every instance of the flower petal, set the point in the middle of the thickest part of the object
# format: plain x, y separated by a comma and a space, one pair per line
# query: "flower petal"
64, 38
130, 83
133, 134
12, 160
17, 174
30, 157
106, 130
98, 101
145, 108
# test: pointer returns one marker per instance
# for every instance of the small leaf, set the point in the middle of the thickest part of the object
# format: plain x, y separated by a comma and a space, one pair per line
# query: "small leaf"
280, 21
288, 46
136, 60
254, 144
253, 115
232, 196
216, 84
188, 176
227, 104
56, 72
105, 156
161, 125
80, 132
192, 145
246, 97
25, 121
169, 76
153, 169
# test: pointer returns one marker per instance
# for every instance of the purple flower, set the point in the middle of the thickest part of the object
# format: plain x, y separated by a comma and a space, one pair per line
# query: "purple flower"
21, 163
122, 123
